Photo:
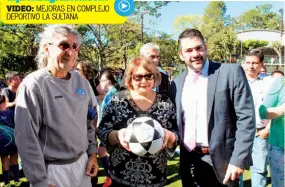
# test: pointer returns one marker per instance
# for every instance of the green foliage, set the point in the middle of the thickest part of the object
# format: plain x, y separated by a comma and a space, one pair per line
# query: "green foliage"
18, 47
222, 44
18, 63
168, 49
190, 21
214, 18
19, 38
276, 45
252, 44
219, 28
113, 45
261, 17
219, 34
106, 45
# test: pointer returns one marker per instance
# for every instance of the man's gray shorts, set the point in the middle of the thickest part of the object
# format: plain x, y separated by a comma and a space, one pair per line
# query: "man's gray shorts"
69, 175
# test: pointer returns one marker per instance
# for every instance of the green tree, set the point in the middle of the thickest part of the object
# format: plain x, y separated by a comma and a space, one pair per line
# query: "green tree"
222, 45
214, 18
146, 8
219, 33
278, 49
113, 45
105, 45
190, 21
21, 64
253, 44
168, 49
20, 38
261, 17
18, 47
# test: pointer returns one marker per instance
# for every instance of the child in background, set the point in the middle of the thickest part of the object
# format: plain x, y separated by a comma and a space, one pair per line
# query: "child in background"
7, 144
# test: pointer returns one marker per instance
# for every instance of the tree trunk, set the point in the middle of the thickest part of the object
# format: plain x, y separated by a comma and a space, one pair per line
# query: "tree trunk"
278, 51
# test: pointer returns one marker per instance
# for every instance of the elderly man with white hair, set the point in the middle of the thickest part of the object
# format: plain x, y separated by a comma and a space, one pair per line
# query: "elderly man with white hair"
151, 52
56, 142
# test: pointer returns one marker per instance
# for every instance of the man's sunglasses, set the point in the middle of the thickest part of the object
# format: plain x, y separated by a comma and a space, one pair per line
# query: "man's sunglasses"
64, 46
138, 77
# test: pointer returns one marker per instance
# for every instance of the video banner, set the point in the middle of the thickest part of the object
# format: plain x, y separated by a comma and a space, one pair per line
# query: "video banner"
66, 11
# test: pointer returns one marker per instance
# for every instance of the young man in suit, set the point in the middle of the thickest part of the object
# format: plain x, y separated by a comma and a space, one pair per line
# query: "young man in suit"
151, 52
215, 115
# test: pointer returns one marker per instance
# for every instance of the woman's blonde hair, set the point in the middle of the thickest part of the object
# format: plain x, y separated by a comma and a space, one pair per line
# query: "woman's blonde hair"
133, 66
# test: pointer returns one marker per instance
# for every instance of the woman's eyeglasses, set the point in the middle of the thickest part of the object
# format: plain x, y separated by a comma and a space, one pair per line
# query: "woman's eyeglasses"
139, 77
64, 46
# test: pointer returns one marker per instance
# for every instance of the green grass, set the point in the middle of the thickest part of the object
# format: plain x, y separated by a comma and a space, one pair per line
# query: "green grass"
173, 179
172, 173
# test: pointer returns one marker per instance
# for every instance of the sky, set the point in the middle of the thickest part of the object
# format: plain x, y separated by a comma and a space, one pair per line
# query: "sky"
182, 8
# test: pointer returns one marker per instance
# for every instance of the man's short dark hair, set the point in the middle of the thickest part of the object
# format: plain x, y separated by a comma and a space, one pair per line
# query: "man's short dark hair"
10, 75
190, 33
256, 52
277, 71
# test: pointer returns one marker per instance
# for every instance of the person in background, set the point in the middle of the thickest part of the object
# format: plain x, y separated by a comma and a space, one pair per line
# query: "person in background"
263, 69
85, 68
13, 81
101, 93
277, 74
273, 108
126, 168
118, 75
56, 142
263, 72
252, 66
8, 148
215, 116
2, 84
151, 52
109, 86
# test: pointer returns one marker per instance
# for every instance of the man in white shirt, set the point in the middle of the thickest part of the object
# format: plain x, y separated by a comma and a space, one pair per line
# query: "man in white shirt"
252, 66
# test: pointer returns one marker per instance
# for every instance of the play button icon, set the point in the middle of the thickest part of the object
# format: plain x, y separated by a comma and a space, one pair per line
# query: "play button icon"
124, 7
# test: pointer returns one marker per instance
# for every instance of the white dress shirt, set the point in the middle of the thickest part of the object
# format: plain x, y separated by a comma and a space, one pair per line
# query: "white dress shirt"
259, 87
194, 105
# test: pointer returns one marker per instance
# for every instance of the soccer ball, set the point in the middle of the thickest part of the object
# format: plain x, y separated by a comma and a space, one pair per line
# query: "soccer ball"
146, 136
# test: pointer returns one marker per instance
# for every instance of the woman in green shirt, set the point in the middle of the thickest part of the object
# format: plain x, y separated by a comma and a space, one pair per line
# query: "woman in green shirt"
273, 108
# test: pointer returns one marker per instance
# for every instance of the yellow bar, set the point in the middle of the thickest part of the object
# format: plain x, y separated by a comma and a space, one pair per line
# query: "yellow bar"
60, 12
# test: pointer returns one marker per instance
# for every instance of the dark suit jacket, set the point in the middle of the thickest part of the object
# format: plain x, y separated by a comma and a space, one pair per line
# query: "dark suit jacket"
230, 115
164, 87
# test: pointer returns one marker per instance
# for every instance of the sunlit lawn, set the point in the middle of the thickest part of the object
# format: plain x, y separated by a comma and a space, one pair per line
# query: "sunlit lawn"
173, 177
172, 174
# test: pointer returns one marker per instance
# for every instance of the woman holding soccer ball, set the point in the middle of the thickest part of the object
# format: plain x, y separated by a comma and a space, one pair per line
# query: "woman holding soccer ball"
139, 101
